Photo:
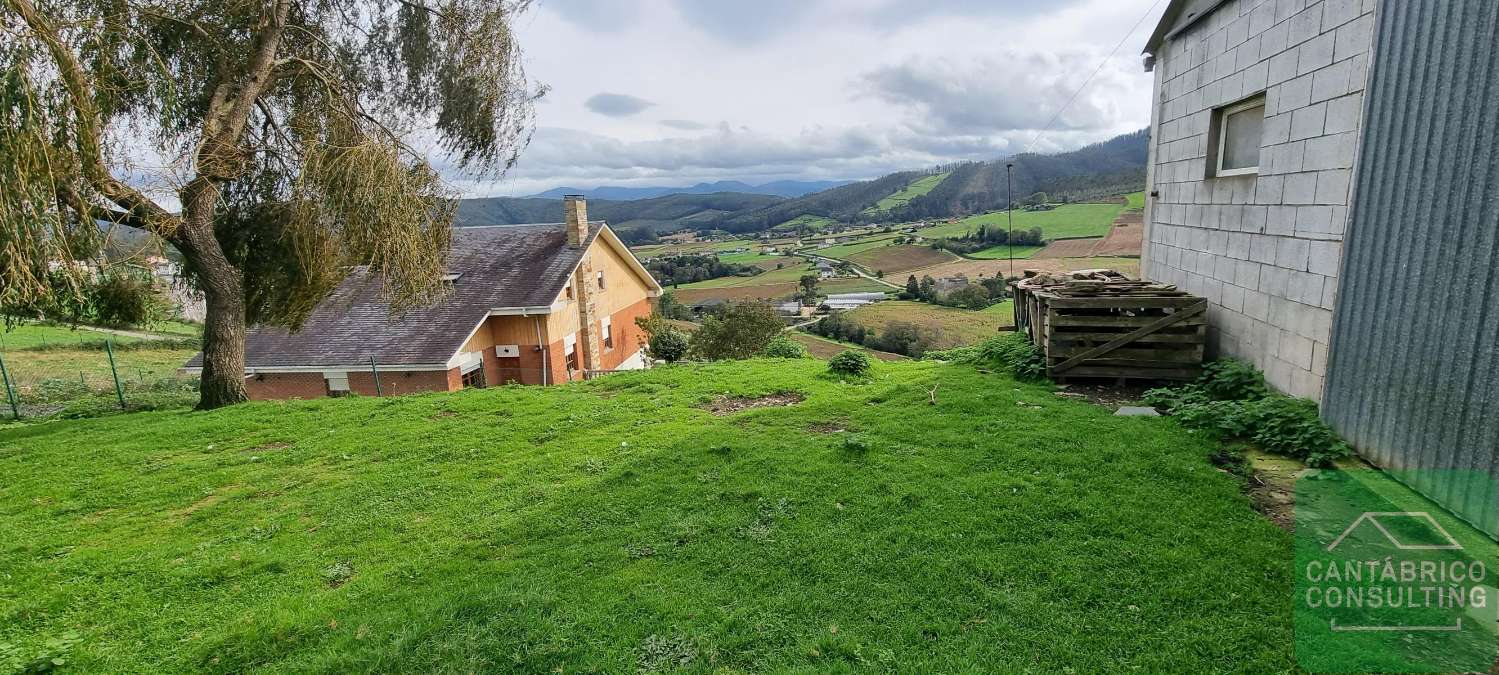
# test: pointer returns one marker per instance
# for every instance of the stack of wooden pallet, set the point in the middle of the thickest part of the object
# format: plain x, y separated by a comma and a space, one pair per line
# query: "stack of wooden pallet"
1099, 323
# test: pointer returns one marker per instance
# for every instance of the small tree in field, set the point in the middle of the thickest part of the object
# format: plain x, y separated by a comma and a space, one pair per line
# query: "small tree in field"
284, 125
740, 331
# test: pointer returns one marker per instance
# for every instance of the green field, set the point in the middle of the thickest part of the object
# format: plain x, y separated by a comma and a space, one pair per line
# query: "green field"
843, 250
917, 188
31, 335
958, 326
1134, 201
1003, 253
816, 223
792, 272
618, 526
1063, 222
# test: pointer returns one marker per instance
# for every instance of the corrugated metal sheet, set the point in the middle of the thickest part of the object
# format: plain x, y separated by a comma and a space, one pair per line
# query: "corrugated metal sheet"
1413, 378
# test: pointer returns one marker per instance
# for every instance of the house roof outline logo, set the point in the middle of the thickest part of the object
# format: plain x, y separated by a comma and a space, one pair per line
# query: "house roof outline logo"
1373, 517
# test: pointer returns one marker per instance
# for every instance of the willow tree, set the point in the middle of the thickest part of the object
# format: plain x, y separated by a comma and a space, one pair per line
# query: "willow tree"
285, 143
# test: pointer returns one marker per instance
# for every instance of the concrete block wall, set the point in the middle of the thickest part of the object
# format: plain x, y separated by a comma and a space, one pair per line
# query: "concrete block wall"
1264, 249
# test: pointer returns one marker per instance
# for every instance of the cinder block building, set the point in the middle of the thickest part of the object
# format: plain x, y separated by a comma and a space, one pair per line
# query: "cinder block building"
529, 304
1326, 173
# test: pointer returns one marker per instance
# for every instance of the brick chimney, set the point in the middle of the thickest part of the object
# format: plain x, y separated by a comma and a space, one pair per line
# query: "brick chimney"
585, 284
577, 219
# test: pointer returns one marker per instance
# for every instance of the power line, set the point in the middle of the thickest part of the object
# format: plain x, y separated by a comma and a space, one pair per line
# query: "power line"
1095, 73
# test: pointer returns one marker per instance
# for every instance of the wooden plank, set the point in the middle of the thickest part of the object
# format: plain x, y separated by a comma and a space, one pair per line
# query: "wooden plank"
1192, 355
1124, 321
1136, 373
1121, 302
1183, 315
1163, 337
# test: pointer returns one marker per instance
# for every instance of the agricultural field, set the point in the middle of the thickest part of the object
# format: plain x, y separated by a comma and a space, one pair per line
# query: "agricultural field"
929, 518
30, 368
823, 348
1070, 220
959, 327
30, 335
815, 223
918, 188
896, 259
792, 272
975, 269
1004, 252
844, 250
696, 247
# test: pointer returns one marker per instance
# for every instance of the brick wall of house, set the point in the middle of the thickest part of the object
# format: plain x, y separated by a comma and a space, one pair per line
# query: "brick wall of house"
627, 335
409, 382
1264, 249
281, 386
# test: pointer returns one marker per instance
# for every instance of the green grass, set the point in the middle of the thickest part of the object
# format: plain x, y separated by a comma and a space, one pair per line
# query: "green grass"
31, 368
816, 223
792, 272
617, 526
917, 188
1003, 253
1134, 201
959, 327
844, 250
33, 335
1063, 222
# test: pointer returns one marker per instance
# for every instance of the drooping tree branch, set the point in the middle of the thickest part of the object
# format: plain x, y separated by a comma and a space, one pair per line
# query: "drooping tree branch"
89, 127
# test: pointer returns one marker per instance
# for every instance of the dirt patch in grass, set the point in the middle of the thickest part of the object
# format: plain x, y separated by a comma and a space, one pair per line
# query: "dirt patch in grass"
1107, 395
1271, 486
207, 501
828, 427
1126, 238
728, 405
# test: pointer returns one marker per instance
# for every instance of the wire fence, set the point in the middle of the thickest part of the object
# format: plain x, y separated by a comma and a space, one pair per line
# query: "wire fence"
75, 378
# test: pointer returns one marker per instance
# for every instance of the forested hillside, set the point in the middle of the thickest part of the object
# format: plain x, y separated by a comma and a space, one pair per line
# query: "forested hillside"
1113, 167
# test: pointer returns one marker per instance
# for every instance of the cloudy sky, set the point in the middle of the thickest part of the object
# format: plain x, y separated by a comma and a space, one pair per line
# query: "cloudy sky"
672, 92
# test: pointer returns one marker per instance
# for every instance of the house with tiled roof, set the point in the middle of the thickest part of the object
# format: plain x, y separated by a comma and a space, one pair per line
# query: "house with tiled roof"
530, 304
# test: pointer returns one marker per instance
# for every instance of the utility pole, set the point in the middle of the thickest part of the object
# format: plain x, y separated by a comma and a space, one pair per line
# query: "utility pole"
1010, 211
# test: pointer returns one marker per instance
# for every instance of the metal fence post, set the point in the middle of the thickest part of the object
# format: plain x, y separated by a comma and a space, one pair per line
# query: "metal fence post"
376, 372
119, 391
10, 390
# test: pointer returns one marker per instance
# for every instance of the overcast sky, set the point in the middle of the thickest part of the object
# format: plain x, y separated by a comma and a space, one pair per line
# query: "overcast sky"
673, 92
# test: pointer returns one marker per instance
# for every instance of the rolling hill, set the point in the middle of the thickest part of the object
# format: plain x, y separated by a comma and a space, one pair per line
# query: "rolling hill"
1113, 167
780, 188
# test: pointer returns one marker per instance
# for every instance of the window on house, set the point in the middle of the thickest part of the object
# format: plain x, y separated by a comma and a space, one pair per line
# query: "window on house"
607, 327
568, 291
601, 279
1237, 137
570, 350
338, 384
474, 379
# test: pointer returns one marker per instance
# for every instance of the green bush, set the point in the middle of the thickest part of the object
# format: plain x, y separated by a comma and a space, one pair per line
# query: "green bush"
1011, 352
1231, 401
741, 330
669, 345
851, 362
785, 348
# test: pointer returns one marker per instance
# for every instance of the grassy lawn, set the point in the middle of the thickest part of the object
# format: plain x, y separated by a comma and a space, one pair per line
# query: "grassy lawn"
825, 348
959, 326
917, 188
1003, 252
1071, 220
32, 335
618, 526
1134, 201
30, 368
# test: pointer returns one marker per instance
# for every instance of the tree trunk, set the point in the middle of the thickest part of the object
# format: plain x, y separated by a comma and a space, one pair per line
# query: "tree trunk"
223, 380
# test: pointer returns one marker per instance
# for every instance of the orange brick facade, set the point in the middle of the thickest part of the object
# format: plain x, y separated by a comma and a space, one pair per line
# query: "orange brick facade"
598, 306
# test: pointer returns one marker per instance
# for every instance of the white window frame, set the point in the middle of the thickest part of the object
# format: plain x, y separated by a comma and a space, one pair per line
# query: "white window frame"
605, 325
1256, 101
601, 280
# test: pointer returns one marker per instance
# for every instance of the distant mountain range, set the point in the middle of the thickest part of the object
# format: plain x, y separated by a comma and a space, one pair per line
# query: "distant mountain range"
1113, 167
780, 188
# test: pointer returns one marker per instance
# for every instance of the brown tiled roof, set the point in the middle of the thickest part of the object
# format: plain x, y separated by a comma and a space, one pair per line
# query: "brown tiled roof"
504, 266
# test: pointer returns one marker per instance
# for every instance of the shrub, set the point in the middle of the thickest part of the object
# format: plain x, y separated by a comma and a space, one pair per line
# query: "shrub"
125, 300
668, 345
1231, 401
785, 348
1012, 352
852, 362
